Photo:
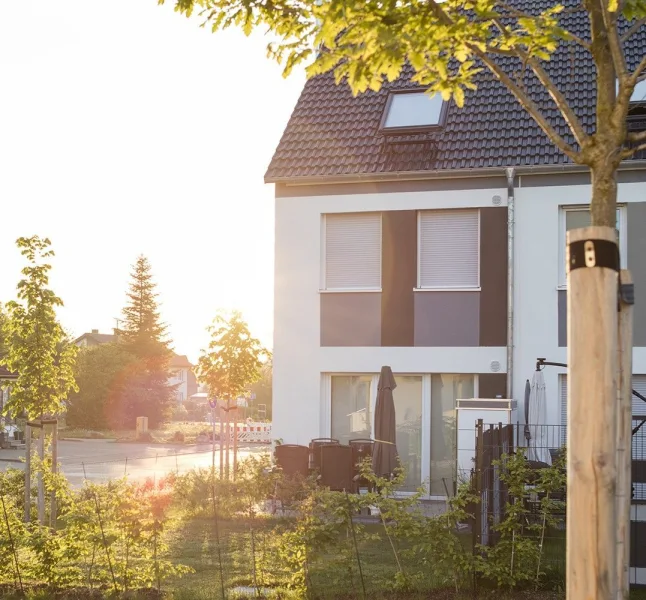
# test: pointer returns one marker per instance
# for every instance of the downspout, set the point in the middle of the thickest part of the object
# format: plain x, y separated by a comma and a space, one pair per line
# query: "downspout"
510, 281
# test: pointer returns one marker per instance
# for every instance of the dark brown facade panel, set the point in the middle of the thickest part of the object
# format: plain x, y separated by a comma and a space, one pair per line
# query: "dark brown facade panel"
492, 385
493, 276
349, 319
398, 277
562, 318
636, 237
447, 319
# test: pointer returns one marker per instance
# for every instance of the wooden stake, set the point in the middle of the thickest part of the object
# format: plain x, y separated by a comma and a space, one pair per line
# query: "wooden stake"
227, 434
52, 511
235, 441
592, 429
221, 442
624, 440
39, 475
27, 473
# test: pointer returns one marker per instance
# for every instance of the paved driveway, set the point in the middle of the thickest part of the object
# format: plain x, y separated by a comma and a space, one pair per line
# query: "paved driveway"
105, 459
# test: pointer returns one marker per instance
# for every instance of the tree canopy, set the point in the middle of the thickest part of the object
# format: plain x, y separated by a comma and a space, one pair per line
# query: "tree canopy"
143, 332
447, 43
233, 360
38, 350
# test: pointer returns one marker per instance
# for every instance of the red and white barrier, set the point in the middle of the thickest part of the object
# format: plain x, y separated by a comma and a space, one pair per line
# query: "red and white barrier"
253, 433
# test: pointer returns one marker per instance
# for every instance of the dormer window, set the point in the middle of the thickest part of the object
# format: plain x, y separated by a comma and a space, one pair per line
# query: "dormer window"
412, 111
639, 93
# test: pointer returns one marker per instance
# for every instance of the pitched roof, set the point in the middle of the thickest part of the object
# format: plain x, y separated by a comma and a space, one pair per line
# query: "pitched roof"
180, 360
98, 338
333, 134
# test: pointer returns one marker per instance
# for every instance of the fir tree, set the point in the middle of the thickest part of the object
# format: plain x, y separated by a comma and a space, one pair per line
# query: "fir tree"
144, 390
143, 332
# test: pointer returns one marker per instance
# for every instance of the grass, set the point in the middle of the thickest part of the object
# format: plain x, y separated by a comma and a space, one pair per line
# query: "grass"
332, 576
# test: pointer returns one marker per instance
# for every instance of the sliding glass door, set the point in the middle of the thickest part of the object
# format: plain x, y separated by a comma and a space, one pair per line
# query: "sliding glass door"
425, 416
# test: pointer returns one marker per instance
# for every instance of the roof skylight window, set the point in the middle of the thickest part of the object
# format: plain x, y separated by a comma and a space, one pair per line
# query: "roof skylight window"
413, 110
639, 93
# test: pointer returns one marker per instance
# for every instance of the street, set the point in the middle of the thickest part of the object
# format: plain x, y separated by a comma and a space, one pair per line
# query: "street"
101, 460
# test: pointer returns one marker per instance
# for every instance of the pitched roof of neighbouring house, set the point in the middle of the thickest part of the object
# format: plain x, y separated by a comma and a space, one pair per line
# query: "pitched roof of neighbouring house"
98, 338
332, 134
180, 360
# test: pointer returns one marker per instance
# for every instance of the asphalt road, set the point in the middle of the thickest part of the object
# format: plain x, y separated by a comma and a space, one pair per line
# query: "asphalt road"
101, 460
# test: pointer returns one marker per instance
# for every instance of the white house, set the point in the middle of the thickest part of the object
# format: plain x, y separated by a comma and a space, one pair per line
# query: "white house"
396, 245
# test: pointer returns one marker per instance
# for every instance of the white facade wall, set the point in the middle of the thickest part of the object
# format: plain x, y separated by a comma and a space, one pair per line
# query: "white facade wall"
299, 391
181, 381
537, 270
301, 394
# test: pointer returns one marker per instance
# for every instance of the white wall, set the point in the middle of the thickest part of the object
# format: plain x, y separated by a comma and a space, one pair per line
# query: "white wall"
299, 359
181, 382
537, 278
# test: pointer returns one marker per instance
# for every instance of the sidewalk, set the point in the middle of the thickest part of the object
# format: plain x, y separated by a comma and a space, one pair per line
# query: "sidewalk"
11, 456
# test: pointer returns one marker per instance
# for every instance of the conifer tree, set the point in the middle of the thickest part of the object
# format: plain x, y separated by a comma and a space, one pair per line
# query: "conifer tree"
145, 390
143, 332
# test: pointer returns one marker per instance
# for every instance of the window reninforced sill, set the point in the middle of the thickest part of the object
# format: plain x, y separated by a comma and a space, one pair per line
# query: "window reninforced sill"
352, 291
453, 289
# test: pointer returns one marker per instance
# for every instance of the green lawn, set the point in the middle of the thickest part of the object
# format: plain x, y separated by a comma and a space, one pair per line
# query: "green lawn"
330, 576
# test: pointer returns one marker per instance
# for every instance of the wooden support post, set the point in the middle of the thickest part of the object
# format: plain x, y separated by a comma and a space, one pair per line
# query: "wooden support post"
235, 441
40, 475
227, 434
221, 443
592, 408
213, 439
624, 436
27, 473
53, 508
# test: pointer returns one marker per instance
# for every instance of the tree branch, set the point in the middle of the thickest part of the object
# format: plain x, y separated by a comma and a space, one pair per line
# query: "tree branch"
639, 70
634, 28
529, 105
559, 99
630, 152
616, 50
636, 137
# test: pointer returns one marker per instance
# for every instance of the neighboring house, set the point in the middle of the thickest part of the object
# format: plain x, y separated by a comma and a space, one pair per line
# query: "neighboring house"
94, 338
183, 377
181, 369
6, 377
392, 237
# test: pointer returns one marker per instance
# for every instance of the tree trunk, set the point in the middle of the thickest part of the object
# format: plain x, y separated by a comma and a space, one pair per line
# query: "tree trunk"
604, 194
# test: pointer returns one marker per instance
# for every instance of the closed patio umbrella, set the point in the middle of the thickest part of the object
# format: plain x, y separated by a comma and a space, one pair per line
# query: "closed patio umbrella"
384, 455
538, 450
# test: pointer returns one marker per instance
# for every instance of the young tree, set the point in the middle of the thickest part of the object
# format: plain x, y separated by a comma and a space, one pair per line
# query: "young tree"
38, 349
366, 42
101, 378
234, 359
145, 391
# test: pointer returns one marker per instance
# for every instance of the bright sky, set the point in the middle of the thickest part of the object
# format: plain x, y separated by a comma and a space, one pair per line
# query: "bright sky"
127, 129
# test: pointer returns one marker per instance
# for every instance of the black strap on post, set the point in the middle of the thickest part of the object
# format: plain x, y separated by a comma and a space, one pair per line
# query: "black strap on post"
593, 253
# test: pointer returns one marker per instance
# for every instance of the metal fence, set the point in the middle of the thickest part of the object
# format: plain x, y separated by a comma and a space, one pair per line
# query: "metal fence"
543, 443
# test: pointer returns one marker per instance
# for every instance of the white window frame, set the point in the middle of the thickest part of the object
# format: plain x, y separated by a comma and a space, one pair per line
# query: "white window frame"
623, 238
421, 288
323, 280
325, 428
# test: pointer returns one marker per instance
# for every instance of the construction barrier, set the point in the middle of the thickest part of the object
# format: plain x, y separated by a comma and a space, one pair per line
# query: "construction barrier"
253, 433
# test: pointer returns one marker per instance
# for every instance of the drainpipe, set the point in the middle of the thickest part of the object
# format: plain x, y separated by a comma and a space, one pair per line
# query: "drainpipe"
510, 281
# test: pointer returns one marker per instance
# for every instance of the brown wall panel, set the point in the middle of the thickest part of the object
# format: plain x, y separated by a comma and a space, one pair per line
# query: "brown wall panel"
398, 277
492, 385
493, 276
351, 319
